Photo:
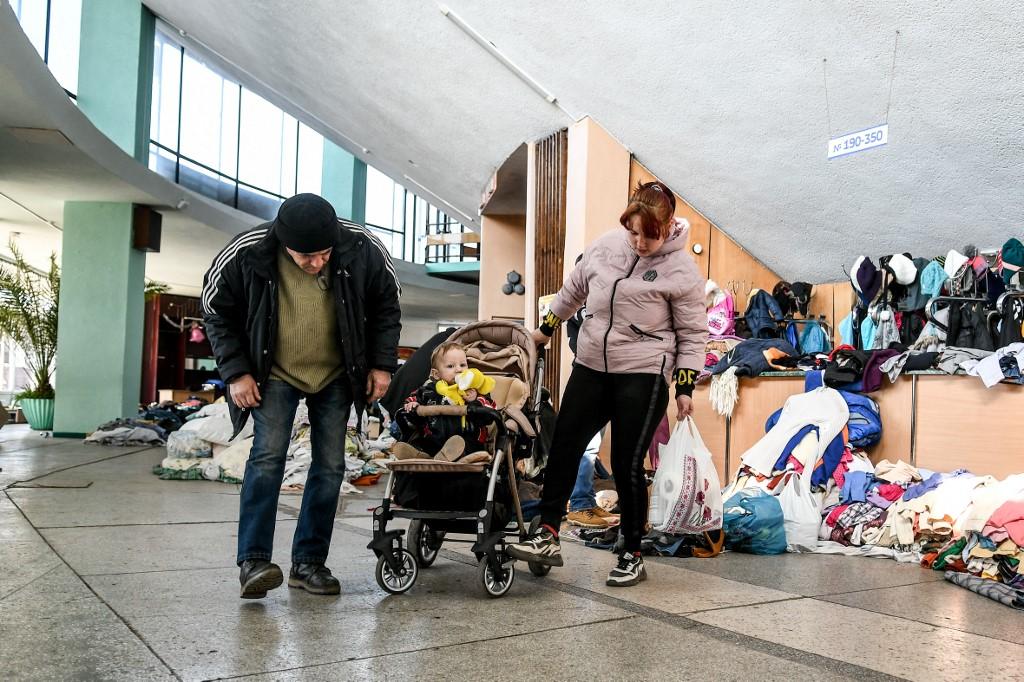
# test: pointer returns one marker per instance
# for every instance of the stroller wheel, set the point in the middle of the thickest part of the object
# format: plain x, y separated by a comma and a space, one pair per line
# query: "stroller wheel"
424, 542
539, 570
400, 581
497, 584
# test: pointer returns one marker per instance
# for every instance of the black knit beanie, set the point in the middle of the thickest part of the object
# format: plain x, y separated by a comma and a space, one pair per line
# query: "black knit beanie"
306, 223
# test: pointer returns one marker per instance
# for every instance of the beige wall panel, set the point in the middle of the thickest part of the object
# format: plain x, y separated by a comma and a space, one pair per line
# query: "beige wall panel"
895, 401
730, 263
960, 423
503, 248
596, 193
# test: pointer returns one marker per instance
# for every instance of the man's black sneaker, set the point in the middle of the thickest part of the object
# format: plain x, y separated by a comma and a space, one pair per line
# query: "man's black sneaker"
629, 571
540, 548
257, 576
313, 578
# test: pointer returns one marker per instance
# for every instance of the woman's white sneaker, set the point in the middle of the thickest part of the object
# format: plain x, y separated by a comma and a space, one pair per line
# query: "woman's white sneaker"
629, 571
540, 548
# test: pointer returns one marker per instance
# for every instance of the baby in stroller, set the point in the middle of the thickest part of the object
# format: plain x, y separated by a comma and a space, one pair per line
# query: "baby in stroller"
453, 439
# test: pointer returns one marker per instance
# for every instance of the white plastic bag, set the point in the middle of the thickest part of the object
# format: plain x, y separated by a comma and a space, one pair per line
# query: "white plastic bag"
801, 512
686, 496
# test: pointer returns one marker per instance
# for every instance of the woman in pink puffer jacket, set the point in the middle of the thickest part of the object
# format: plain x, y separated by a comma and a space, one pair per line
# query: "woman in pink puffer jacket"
646, 324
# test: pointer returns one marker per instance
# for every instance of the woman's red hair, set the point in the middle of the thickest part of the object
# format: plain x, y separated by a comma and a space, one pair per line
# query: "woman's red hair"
656, 205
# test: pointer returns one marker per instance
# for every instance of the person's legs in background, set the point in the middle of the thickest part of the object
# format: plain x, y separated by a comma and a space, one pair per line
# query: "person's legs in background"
583, 508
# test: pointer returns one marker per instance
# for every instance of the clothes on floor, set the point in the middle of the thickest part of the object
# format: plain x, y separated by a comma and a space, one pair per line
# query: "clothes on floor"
1004, 594
127, 432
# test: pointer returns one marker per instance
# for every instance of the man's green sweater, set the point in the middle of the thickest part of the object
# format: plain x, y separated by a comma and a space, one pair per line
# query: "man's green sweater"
307, 350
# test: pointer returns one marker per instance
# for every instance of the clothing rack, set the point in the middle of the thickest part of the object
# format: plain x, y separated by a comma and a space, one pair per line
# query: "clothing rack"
933, 307
1005, 295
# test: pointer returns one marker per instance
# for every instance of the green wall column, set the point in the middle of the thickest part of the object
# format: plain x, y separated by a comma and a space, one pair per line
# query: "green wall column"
99, 334
115, 71
344, 182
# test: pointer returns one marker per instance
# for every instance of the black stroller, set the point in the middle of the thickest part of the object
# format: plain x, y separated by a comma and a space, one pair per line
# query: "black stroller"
444, 500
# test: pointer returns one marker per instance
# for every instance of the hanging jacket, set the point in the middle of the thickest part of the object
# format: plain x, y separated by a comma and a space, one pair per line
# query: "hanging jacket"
793, 337
762, 316
645, 315
1011, 329
814, 340
968, 327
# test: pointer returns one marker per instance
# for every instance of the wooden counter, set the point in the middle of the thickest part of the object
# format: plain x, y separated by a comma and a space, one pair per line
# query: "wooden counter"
938, 422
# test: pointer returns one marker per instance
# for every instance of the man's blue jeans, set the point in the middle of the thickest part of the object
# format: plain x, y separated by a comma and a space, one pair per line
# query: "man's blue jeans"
583, 496
261, 486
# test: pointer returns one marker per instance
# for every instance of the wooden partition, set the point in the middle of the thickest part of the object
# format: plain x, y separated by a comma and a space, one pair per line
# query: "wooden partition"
941, 423
960, 423
551, 159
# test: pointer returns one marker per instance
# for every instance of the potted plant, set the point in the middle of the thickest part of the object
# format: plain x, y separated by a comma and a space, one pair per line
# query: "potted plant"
28, 315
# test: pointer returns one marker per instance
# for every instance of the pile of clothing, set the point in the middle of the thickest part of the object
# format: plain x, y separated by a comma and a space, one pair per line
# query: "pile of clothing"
125, 432
170, 415
955, 522
202, 449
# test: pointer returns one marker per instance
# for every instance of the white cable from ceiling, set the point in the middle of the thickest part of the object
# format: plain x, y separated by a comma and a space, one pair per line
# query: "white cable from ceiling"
32, 213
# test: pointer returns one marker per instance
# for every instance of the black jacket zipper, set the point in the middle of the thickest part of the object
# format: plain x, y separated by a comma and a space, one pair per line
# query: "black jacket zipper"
611, 309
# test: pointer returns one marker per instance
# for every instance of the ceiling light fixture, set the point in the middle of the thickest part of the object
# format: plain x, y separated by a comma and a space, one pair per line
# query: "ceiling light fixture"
427, 190
501, 57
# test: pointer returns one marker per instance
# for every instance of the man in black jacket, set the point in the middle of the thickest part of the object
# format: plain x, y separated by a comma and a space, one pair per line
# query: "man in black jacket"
304, 306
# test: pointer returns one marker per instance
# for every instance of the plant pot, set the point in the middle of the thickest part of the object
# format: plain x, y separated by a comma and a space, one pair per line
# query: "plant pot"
38, 412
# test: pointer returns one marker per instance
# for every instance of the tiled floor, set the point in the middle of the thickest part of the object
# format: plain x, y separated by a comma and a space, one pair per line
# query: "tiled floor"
107, 572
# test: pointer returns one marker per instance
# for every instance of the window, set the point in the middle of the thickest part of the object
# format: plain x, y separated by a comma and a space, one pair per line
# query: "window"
54, 27
409, 226
214, 136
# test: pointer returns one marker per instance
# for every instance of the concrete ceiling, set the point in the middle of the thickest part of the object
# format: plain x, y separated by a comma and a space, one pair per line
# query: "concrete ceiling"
724, 101
50, 153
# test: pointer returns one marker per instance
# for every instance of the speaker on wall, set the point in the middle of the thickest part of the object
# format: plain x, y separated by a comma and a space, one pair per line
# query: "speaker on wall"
146, 228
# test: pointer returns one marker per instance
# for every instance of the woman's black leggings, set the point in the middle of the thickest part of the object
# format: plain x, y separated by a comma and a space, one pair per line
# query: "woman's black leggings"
634, 404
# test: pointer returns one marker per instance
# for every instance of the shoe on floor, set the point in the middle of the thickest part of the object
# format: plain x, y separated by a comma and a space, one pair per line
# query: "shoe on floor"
405, 451
629, 571
609, 518
313, 578
452, 449
257, 576
586, 518
540, 548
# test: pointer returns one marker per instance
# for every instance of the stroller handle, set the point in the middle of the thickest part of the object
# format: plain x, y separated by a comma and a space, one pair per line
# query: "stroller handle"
441, 410
486, 413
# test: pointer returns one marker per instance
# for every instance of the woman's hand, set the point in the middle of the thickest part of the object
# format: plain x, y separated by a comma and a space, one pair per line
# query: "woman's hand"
540, 338
684, 404
411, 406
